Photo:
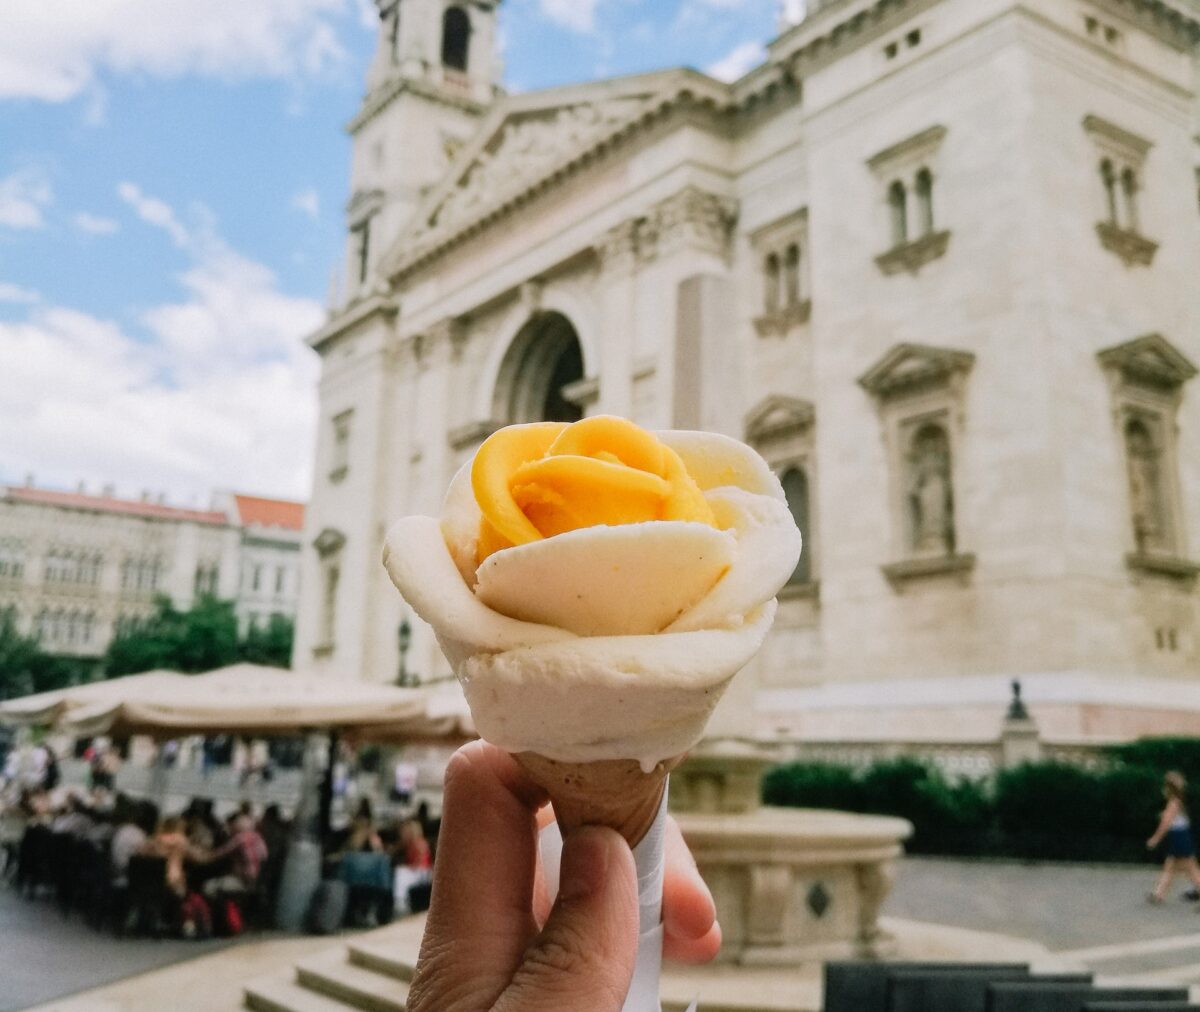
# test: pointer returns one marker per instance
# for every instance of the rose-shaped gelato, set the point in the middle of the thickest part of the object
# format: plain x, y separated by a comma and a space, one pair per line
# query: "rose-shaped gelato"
595, 586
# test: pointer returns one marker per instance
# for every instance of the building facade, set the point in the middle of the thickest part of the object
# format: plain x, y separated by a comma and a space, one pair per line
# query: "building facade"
76, 568
938, 260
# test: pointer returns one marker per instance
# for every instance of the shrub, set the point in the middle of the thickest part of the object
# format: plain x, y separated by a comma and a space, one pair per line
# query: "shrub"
1161, 755
813, 785
947, 818
1052, 810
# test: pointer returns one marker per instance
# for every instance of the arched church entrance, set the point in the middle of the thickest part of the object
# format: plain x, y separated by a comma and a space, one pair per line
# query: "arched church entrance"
545, 357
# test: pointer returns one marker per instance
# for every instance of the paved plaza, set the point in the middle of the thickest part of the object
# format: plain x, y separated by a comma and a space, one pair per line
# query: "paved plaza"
44, 955
1094, 914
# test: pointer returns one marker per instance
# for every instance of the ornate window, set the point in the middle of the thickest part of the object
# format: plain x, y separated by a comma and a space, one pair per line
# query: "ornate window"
1147, 376
340, 464
906, 173
329, 544
920, 392
781, 429
1121, 157
782, 249
795, 488
456, 38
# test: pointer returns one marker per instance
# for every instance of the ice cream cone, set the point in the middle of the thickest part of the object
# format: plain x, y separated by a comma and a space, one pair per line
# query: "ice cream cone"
616, 792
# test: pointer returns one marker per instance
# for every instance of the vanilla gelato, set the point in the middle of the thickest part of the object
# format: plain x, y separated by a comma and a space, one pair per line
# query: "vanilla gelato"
595, 586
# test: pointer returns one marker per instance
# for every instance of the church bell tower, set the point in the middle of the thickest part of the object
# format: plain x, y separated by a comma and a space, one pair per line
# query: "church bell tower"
434, 74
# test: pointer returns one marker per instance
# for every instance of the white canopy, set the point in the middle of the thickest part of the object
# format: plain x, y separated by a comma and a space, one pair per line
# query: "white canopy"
247, 699
50, 707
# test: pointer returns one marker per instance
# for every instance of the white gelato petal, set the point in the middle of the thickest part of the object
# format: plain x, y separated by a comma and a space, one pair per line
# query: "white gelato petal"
632, 579
716, 461
420, 565
768, 548
461, 517
608, 697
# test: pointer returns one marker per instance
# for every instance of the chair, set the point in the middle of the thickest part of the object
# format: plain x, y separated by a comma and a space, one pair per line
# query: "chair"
149, 898
34, 866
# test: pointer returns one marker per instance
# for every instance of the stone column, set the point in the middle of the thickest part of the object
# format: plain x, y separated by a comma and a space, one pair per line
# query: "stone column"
617, 252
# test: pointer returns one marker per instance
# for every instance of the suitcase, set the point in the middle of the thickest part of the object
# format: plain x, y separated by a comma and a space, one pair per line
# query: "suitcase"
328, 909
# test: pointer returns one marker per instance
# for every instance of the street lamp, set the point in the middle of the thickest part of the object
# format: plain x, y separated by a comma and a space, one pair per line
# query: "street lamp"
405, 639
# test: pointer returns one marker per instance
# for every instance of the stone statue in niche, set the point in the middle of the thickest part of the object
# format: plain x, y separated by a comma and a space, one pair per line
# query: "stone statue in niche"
1145, 488
930, 495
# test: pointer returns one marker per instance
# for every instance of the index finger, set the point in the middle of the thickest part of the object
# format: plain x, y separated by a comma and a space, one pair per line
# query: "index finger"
483, 877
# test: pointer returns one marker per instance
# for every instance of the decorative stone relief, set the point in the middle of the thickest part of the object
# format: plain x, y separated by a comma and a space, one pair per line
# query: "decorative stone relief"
524, 150
696, 218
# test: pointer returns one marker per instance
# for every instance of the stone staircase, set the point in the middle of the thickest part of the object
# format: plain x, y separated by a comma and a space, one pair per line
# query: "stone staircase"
371, 973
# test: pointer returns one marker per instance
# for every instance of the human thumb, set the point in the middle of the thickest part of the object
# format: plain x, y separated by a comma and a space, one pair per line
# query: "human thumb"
584, 956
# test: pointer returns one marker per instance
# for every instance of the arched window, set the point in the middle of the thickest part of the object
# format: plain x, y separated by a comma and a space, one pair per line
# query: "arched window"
930, 493
771, 284
1147, 494
456, 38
795, 488
1109, 178
1129, 189
925, 200
898, 202
791, 274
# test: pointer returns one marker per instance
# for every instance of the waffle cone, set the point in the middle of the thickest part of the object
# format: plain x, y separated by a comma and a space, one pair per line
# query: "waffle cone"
616, 793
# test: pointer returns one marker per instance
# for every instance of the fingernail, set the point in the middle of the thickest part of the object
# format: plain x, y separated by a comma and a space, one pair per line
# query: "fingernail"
584, 863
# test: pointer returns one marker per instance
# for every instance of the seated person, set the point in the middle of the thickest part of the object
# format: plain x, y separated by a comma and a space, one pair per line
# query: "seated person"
247, 852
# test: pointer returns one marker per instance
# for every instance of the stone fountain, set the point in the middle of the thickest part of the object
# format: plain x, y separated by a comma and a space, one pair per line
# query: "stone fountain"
791, 885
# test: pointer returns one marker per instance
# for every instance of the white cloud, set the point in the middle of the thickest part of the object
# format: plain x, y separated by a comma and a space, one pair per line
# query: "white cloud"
214, 390
154, 212
578, 15
15, 293
54, 51
735, 63
23, 196
85, 221
308, 201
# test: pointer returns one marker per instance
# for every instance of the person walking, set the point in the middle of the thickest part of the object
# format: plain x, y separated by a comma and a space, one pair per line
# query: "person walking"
1176, 828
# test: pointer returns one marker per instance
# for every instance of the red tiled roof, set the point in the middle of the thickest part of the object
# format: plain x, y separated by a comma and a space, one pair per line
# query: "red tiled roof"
270, 512
108, 504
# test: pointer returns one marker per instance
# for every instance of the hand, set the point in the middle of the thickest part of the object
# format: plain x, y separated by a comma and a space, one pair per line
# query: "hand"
1151, 843
493, 941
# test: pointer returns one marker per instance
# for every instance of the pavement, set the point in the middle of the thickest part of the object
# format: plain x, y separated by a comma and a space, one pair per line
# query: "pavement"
45, 955
1091, 915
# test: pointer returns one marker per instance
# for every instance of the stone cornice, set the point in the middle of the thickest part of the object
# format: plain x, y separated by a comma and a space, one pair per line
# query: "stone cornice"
914, 366
912, 256
919, 568
1149, 361
912, 148
1110, 135
1135, 249
777, 416
386, 93
353, 314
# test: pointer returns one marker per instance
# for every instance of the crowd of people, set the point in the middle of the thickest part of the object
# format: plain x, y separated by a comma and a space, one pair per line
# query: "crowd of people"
128, 866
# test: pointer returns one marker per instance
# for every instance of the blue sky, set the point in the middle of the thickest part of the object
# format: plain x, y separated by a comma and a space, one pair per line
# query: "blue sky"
172, 174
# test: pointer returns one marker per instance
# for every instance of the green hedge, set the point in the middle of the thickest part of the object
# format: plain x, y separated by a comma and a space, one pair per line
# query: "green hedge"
1043, 810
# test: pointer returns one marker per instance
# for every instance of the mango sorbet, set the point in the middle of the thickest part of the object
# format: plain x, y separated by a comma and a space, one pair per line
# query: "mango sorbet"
535, 481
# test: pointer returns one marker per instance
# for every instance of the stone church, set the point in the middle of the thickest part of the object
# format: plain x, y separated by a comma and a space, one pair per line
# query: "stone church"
938, 260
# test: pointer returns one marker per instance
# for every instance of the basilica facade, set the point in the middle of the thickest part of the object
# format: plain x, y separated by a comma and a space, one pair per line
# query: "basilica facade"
937, 260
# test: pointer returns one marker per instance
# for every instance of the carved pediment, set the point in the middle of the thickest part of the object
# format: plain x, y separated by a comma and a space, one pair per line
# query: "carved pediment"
909, 367
1149, 361
523, 148
329, 541
776, 416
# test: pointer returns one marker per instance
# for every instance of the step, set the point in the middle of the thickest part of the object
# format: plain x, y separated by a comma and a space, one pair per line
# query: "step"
334, 976
382, 957
275, 994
